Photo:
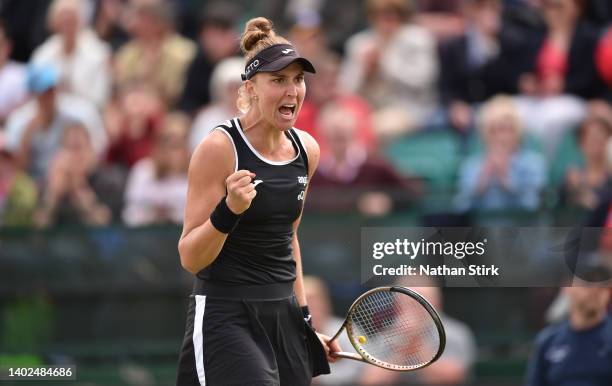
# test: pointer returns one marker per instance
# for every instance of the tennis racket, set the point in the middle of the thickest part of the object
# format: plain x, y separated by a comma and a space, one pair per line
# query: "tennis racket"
394, 328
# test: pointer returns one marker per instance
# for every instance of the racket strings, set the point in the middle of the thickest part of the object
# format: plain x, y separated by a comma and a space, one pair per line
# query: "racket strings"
395, 329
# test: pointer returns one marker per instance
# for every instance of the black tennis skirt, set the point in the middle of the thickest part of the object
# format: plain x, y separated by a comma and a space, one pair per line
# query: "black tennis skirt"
248, 335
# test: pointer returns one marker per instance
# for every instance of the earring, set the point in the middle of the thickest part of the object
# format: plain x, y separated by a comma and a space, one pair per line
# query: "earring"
255, 97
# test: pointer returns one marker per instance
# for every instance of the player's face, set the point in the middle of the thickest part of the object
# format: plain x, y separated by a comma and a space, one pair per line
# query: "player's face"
280, 95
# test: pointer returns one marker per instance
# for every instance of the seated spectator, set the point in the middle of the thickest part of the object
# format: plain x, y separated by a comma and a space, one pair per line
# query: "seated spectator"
344, 372
505, 176
564, 57
156, 54
323, 89
157, 186
18, 193
579, 349
452, 368
583, 183
34, 131
82, 59
69, 195
13, 78
394, 65
132, 119
482, 62
562, 72
218, 40
359, 180
224, 85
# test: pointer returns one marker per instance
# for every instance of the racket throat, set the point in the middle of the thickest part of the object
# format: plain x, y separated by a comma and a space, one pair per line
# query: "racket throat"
348, 355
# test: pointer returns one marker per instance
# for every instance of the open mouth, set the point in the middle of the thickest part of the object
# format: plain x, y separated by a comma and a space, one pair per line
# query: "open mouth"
287, 110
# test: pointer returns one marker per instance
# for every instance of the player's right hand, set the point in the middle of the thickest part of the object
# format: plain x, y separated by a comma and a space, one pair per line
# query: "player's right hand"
330, 346
240, 191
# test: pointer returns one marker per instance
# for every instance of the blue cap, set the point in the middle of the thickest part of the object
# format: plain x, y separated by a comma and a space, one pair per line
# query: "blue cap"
41, 77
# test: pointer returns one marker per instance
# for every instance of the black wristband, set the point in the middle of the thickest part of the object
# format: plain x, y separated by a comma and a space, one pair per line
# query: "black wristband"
306, 315
223, 219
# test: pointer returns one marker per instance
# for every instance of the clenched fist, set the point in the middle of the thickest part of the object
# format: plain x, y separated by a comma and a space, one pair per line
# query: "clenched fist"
240, 191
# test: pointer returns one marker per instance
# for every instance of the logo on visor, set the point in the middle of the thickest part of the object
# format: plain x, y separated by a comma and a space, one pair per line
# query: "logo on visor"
286, 51
252, 66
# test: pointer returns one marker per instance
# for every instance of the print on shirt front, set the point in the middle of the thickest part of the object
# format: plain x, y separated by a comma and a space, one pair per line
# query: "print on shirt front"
259, 251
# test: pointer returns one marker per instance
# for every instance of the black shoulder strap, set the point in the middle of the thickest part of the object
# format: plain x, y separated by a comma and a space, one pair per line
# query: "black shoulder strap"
229, 127
297, 140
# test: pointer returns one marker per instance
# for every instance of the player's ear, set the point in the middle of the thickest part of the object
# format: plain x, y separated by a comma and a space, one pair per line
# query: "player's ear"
250, 88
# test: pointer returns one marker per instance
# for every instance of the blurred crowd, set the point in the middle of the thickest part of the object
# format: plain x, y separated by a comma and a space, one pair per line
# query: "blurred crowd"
102, 102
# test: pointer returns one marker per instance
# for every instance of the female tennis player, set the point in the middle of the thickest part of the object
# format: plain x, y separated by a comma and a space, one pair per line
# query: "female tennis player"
247, 184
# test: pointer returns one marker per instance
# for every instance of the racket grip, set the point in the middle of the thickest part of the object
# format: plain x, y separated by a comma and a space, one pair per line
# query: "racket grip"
348, 355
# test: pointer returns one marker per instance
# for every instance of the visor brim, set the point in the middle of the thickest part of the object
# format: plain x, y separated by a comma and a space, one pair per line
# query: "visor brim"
283, 62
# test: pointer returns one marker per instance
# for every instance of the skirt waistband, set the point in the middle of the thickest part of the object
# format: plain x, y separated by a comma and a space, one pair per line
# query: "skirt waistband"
241, 292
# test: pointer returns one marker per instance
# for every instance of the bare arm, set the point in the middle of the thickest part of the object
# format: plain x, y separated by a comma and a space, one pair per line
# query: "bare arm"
298, 286
314, 153
211, 164
312, 148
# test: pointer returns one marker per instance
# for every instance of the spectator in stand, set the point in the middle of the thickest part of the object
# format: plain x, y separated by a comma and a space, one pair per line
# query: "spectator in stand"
563, 72
360, 181
18, 194
218, 40
584, 183
394, 65
82, 59
482, 62
563, 61
322, 90
35, 130
70, 194
505, 176
156, 54
224, 85
133, 119
13, 78
157, 186
579, 349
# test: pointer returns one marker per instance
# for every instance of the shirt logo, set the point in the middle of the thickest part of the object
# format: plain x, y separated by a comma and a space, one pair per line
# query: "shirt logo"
558, 354
257, 182
303, 180
287, 50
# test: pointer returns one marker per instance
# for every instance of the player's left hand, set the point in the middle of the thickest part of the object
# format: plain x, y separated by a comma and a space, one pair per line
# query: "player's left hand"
330, 347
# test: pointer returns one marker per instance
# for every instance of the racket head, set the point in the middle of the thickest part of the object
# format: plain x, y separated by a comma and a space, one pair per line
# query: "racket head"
395, 328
